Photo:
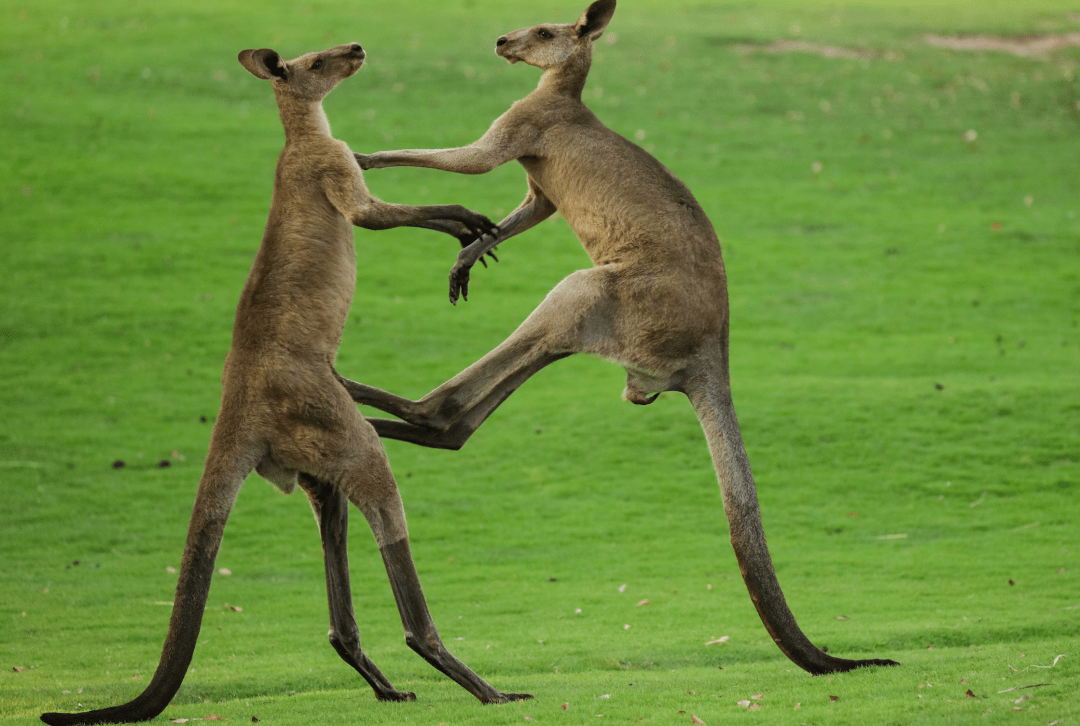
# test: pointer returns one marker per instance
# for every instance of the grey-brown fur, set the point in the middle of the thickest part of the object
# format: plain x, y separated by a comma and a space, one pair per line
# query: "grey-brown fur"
655, 302
284, 412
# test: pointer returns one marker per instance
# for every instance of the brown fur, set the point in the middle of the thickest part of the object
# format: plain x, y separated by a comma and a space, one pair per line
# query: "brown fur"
284, 412
655, 302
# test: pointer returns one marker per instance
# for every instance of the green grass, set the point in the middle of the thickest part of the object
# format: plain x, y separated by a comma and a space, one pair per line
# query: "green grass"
905, 351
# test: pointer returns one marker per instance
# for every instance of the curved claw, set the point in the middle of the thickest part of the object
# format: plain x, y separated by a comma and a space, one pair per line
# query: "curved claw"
480, 225
459, 283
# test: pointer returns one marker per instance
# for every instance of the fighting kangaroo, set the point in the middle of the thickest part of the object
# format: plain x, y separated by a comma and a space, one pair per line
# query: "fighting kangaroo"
655, 302
284, 412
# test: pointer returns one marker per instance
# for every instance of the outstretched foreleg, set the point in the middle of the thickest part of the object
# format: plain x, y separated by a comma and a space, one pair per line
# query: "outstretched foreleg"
376, 214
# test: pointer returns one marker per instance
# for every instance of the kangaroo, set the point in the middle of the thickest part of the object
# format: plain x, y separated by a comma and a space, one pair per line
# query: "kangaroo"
655, 302
284, 412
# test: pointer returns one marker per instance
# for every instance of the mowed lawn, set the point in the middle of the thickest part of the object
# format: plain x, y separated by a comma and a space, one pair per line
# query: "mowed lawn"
899, 216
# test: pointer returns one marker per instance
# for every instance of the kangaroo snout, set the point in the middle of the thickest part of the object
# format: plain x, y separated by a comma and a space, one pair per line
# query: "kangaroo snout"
503, 50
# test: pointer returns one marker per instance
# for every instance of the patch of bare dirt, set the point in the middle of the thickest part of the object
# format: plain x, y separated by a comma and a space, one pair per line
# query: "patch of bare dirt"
1025, 46
802, 46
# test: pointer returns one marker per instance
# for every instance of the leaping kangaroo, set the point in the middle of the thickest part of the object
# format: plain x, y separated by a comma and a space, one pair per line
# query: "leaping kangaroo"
284, 412
655, 302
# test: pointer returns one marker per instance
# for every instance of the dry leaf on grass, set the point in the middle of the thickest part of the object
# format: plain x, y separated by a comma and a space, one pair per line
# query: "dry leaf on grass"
178, 720
719, 640
18, 669
566, 707
744, 703
213, 717
969, 694
834, 698
643, 602
695, 720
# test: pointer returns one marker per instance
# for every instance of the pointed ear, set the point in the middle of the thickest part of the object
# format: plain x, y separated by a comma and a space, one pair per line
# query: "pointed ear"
593, 21
263, 63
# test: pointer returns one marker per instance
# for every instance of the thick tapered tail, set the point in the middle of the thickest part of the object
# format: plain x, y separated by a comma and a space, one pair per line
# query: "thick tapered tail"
712, 402
197, 568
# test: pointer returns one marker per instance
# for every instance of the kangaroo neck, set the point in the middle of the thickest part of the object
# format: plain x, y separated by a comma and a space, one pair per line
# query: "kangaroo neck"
567, 78
302, 118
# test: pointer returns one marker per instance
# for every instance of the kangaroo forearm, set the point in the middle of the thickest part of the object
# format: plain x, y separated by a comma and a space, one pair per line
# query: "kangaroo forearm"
532, 212
446, 226
463, 160
442, 217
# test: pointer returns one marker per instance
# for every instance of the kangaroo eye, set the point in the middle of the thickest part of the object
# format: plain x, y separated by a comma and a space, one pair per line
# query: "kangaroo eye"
317, 64
545, 35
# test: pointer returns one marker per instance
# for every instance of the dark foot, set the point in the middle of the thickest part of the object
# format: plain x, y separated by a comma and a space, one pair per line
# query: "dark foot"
396, 696
511, 697
840, 665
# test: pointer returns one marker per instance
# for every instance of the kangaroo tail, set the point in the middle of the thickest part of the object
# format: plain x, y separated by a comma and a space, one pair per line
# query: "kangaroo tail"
712, 402
212, 506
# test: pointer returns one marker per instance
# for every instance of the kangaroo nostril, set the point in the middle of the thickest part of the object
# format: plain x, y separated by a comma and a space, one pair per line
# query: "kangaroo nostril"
500, 42
356, 48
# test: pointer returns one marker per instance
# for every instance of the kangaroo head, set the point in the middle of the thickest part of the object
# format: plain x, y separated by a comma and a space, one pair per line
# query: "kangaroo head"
551, 45
311, 76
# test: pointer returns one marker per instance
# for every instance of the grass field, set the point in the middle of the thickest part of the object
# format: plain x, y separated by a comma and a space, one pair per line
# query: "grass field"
901, 233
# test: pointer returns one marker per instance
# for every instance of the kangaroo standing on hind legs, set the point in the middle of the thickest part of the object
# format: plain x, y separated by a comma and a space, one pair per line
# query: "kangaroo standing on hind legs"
655, 302
284, 412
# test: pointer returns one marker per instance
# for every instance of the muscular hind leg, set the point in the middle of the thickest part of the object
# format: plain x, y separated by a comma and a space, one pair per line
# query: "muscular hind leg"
332, 515
577, 316
367, 481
